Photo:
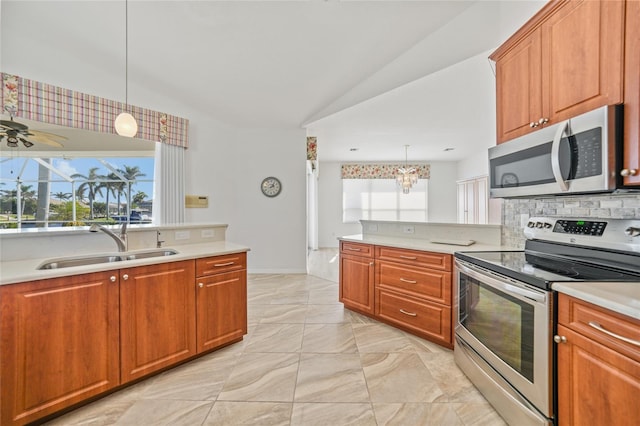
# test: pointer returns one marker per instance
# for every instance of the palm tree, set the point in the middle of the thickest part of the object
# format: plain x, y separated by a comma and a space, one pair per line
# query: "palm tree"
62, 196
132, 173
138, 198
91, 185
110, 189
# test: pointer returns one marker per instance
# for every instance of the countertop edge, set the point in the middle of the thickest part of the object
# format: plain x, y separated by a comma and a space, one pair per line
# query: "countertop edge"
18, 271
620, 297
421, 244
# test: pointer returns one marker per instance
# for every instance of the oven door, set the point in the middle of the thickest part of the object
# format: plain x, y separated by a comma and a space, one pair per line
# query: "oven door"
509, 325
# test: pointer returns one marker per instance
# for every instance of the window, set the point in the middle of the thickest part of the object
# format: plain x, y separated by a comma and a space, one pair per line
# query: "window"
75, 191
381, 199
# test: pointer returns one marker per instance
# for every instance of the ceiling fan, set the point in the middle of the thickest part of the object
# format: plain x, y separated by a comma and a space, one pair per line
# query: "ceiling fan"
15, 132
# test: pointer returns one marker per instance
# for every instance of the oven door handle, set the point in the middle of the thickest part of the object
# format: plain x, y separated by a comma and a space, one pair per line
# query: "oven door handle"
495, 283
555, 155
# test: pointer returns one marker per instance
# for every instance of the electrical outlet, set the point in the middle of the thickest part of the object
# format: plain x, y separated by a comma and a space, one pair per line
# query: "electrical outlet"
182, 235
408, 229
207, 233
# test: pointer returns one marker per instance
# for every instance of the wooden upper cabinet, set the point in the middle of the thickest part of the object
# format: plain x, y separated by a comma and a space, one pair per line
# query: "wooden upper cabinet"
567, 60
519, 91
631, 160
60, 344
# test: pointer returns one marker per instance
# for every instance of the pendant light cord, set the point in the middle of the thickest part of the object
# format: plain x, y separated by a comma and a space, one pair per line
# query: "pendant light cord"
126, 53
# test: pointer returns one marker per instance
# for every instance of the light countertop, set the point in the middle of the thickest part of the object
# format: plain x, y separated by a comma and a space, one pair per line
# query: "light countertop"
26, 270
421, 244
620, 297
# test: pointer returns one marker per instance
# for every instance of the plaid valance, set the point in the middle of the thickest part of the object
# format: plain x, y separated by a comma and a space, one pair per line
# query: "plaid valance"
38, 101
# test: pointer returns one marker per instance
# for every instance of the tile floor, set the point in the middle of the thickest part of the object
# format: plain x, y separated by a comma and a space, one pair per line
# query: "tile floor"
305, 361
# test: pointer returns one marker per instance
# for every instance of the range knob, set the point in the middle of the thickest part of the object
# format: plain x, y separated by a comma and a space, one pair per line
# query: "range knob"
531, 224
632, 231
539, 224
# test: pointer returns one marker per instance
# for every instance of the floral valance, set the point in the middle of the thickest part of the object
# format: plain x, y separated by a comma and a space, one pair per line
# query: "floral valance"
380, 171
33, 100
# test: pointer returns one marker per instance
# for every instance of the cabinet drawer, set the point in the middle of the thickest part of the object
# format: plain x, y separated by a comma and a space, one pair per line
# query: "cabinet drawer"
578, 315
357, 249
427, 259
218, 264
424, 318
419, 282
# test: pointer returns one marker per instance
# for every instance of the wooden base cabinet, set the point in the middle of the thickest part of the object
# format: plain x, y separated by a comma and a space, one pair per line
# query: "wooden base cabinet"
66, 340
413, 292
598, 374
60, 344
356, 277
221, 295
157, 314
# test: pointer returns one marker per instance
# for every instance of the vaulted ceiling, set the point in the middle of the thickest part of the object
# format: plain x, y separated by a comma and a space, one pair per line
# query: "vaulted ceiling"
366, 75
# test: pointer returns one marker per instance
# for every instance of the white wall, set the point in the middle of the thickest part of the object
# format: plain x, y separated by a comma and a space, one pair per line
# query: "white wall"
442, 203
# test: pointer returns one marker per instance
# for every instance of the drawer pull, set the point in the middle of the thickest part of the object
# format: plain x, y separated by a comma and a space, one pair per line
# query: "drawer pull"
218, 265
411, 314
614, 335
404, 280
409, 257
352, 249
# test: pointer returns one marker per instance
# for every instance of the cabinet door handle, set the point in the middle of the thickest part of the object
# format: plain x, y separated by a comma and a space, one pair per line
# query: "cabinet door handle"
112, 278
614, 335
628, 172
218, 265
370, 263
543, 120
408, 281
352, 249
125, 277
200, 285
409, 257
533, 124
411, 314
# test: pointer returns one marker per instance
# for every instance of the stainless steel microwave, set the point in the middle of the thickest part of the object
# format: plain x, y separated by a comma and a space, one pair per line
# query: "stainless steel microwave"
576, 156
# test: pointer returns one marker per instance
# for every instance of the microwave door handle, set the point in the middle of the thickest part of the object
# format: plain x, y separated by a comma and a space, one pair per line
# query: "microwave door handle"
555, 154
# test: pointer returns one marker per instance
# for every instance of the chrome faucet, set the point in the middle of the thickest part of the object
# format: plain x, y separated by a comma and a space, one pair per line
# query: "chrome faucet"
120, 240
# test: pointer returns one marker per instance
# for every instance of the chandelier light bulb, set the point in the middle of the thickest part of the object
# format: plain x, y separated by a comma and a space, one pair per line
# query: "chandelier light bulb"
126, 125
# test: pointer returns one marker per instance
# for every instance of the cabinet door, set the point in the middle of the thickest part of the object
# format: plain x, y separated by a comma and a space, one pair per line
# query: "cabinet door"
356, 283
596, 385
60, 344
519, 88
221, 309
157, 314
631, 161
582, 45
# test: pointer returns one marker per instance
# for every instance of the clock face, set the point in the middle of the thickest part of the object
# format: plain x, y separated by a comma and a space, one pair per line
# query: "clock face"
271, 186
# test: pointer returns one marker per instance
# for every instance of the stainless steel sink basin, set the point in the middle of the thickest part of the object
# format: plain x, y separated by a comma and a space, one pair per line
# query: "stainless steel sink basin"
150, 253
67, 262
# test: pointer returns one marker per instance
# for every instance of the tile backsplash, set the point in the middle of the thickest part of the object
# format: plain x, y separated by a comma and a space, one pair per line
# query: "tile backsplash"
516, 211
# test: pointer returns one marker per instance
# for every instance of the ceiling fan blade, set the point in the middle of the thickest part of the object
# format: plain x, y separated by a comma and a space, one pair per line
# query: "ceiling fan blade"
45, 140
10, 124
33, 134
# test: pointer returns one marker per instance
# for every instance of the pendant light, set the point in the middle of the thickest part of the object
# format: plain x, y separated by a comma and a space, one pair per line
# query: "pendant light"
125, 124
406, 177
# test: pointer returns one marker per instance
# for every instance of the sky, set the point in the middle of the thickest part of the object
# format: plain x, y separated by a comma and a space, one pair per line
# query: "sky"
11, 168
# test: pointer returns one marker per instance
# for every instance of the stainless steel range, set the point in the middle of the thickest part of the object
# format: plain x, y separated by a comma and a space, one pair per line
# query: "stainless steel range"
505, 307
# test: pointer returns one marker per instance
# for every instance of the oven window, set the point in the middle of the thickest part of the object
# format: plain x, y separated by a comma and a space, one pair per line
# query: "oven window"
501, 322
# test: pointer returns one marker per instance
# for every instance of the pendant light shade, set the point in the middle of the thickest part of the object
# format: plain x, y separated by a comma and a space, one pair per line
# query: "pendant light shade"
124, 123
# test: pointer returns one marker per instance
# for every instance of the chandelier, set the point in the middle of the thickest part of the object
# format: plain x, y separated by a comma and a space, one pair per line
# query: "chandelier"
406, 177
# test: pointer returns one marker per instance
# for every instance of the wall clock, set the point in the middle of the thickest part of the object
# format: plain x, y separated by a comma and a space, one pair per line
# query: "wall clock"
271, 186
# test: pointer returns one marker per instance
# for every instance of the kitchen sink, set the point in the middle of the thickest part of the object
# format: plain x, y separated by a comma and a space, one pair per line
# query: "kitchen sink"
68, 262
150, 253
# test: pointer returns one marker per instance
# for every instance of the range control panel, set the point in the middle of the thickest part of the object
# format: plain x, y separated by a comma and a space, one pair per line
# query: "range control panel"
617, 234
580, 227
